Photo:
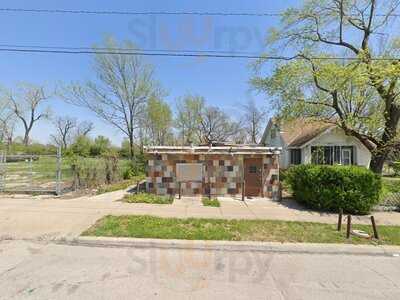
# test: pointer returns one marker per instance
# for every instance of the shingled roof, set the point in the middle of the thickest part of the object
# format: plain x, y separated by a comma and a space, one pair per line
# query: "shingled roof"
296, 133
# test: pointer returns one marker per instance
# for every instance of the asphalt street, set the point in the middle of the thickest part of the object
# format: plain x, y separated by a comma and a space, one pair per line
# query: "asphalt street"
38, 270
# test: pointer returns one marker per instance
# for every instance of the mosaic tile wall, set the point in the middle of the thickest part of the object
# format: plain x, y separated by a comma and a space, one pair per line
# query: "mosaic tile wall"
222, 174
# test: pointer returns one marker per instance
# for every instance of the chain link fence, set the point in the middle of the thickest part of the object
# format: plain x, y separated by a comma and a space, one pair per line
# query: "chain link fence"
24, 173
391, 201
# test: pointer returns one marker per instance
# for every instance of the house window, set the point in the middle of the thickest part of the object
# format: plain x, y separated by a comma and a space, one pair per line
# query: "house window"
295, 156
331, 155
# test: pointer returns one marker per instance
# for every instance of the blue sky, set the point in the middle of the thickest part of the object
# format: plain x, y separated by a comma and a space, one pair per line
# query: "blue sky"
223, 82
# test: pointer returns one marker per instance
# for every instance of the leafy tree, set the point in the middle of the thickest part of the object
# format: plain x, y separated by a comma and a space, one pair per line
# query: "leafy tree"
159, 121
119, 95
188, 118
81, 146
17, 147
361, 95
100, 146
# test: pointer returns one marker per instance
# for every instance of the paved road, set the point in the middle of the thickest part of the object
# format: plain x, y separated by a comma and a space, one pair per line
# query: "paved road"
49, 271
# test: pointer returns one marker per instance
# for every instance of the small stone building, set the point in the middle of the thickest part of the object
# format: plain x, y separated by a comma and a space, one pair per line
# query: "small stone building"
213, 170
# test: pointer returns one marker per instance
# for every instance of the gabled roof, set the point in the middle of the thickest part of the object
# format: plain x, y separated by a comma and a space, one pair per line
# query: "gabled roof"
297, 132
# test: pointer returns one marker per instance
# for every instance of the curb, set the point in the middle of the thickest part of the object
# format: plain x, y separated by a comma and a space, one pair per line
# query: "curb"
273, 247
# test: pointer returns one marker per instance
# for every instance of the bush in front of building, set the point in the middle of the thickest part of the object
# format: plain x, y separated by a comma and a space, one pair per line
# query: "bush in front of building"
148, 198
331, 188
214, 202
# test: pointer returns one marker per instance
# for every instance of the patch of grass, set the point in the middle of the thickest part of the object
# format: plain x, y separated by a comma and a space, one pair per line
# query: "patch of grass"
210, 202
390, 185
233, 230
123, 185
147, 198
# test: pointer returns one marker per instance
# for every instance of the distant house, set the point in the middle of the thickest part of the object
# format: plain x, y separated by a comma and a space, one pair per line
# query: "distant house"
304, 141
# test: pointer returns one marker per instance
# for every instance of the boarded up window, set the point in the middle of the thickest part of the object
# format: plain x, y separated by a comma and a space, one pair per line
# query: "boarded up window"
189, 172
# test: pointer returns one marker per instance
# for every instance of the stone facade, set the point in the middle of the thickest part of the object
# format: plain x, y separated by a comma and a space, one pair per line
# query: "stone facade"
222, 174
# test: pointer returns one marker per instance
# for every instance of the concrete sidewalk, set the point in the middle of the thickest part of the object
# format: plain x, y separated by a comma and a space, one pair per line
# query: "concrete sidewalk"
47, 218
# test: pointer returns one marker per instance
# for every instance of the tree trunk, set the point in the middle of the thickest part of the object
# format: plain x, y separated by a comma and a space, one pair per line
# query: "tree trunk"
380, 154
131, 150
377, 161
132, 154
26, 138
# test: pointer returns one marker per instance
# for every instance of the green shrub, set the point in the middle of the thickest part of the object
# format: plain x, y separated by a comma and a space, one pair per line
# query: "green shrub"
354, 189
283, 181
396, 168
211, 202
95, 172
34, 149
129, 171
148, 198
81, 146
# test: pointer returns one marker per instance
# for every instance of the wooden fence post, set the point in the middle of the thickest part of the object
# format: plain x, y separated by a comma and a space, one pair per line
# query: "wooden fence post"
58, 172
243, 192
374, 228
348, 226
339, 225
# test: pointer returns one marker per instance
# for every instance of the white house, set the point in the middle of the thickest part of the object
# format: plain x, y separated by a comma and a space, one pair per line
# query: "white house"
304, 141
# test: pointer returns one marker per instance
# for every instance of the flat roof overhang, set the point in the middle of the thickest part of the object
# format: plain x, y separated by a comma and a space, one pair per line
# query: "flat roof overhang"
208, 150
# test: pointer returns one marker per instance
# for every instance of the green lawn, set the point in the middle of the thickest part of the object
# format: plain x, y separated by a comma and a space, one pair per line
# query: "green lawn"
390, 185
148, 198
210, 202
233, 230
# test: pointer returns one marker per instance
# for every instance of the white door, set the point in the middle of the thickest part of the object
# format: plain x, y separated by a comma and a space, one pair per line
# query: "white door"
346, 157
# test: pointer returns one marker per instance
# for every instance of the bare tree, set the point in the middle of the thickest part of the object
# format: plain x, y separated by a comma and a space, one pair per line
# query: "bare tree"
216, 126
7, 127
119, 95
26, 104
253, 120
4, 115
84, 128
64, 127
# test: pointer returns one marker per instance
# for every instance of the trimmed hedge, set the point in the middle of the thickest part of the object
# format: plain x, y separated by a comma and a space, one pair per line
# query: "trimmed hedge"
331, 188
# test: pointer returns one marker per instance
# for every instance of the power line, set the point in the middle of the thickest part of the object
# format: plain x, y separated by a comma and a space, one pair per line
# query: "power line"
141, 53
137, 13
171, 54
125, 49
156, 13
